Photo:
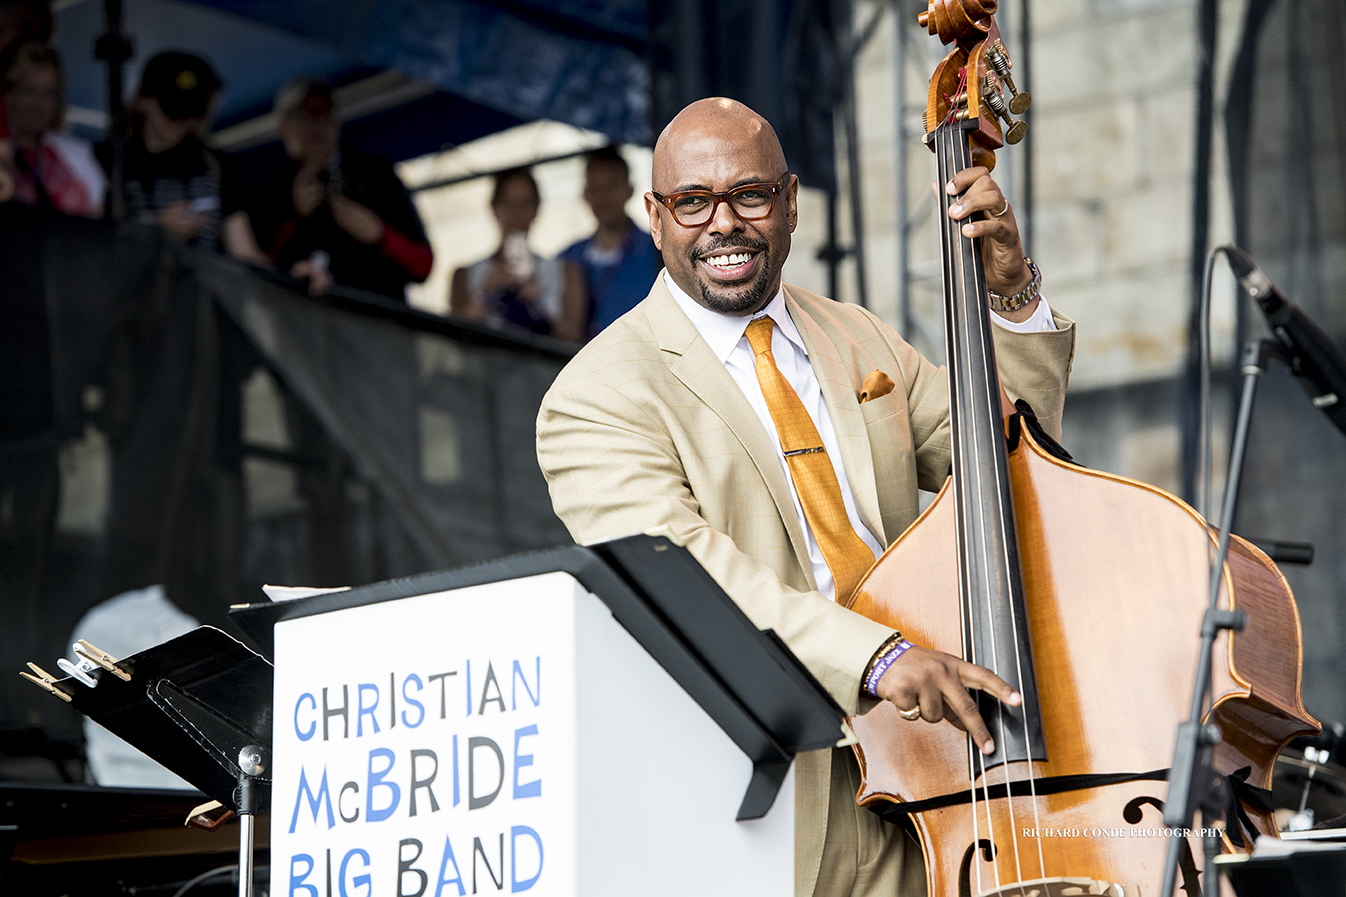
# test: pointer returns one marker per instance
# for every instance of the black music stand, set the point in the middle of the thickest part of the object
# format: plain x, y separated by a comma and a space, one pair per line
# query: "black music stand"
1289, 869
744, 678
199, 704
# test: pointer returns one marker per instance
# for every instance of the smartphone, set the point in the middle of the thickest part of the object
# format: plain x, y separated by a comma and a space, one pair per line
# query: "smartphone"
516, 255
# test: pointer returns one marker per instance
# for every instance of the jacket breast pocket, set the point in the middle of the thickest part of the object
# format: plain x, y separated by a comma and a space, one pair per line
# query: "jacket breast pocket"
887, 422
884, 407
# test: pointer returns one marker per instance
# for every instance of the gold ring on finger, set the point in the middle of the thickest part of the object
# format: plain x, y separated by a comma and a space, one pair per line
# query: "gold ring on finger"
912, 714
1002, 211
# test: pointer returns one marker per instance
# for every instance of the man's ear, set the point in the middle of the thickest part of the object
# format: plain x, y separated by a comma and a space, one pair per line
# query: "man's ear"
652, 207
792, 202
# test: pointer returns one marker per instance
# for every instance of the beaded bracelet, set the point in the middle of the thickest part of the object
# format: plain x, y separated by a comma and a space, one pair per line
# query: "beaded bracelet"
881, 665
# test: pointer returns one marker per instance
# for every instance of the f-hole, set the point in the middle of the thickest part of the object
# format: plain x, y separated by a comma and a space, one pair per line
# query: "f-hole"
965, 869
1191, 878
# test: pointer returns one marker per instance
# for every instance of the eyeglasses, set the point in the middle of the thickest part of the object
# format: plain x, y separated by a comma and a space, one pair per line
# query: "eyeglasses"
751, 202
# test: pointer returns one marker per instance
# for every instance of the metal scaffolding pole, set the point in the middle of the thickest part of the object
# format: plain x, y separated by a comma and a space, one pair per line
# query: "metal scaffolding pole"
901, 225
114, 47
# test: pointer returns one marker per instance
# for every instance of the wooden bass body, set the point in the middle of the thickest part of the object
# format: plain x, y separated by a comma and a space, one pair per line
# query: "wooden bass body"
1116, 575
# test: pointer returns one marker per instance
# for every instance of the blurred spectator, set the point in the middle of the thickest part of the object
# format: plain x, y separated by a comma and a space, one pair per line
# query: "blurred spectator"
618, 262
51, 169
331, 214
171, 177
21, 21
514, 286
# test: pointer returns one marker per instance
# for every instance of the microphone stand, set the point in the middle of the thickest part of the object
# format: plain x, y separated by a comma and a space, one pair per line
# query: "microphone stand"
1192, 784
252, 797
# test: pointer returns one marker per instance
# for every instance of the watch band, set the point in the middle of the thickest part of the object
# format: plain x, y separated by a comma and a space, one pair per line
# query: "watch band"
1001, 302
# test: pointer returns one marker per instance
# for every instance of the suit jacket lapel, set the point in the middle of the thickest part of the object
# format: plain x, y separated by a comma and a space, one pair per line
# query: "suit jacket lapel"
840, 392
705, 375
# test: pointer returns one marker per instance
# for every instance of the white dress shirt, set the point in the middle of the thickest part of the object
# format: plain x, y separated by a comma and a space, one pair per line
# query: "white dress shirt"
725, 334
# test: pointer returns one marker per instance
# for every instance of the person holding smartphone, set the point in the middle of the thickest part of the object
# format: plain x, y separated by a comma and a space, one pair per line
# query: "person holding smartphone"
171, 178
513, 287
332, 214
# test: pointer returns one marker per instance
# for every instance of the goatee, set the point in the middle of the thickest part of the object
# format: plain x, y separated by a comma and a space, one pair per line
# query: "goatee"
736, 300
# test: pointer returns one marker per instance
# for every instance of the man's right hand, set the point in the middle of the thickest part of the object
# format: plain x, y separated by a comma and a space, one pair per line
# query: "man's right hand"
937, 683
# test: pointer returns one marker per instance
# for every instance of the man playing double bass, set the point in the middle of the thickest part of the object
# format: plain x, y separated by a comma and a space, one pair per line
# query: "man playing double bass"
783, 437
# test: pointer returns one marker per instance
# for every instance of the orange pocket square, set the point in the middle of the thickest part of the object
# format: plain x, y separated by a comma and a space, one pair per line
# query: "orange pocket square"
877, 385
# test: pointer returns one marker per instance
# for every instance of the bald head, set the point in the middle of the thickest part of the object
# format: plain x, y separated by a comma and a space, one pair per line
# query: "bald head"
730, 264
710, 126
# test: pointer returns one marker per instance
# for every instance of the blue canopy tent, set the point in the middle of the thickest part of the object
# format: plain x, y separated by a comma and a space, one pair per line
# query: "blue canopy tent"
427, 75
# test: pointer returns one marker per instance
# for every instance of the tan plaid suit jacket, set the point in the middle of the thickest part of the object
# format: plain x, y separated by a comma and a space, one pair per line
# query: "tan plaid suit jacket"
645, 427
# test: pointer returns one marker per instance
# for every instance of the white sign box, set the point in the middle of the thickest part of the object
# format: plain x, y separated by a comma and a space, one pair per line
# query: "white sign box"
508, 737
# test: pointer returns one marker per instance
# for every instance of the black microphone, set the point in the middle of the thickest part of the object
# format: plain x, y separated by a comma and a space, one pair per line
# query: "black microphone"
1312, 355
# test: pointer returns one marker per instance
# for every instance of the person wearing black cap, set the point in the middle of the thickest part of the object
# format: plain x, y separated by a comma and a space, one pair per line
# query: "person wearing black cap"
171, 177
332, 214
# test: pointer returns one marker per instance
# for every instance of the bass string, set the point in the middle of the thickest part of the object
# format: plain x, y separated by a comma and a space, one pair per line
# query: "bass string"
971, 319
977, 308
978, 318
953, 156
952, 352
946, 141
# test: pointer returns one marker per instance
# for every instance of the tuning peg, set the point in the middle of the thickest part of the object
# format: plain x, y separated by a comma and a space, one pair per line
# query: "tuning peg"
1014, 130
1000, 61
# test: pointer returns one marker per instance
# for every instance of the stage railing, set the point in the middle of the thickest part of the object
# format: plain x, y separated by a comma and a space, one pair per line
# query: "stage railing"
172, 417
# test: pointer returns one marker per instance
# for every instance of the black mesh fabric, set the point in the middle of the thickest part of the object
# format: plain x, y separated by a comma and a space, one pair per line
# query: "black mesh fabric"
403, 443
1287, 136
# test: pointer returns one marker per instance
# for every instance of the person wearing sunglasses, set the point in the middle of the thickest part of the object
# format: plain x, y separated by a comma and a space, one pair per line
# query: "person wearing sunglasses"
683, 412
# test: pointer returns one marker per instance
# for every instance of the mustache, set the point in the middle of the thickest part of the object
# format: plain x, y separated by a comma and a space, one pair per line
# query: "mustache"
719, 243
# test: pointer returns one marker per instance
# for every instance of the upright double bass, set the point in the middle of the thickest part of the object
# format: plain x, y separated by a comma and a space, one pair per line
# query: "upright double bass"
1085, 591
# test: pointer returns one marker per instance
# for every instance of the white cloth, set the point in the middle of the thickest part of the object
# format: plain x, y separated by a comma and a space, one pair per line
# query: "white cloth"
123, 625
77, 154
1041, 320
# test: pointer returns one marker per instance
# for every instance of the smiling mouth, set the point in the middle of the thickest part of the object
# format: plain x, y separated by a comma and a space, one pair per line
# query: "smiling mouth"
729, 265
731, 260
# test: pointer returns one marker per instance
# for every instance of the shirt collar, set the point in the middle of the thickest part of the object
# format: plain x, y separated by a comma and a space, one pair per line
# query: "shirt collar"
724, 332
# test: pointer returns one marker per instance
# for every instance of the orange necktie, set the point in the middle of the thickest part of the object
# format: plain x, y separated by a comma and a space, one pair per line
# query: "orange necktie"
846, 555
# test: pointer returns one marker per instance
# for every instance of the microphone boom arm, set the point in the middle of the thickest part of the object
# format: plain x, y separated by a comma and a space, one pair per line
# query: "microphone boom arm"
1312, 356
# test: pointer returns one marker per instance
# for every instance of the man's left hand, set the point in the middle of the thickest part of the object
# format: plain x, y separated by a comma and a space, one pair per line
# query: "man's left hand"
936, 684
1001, 251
